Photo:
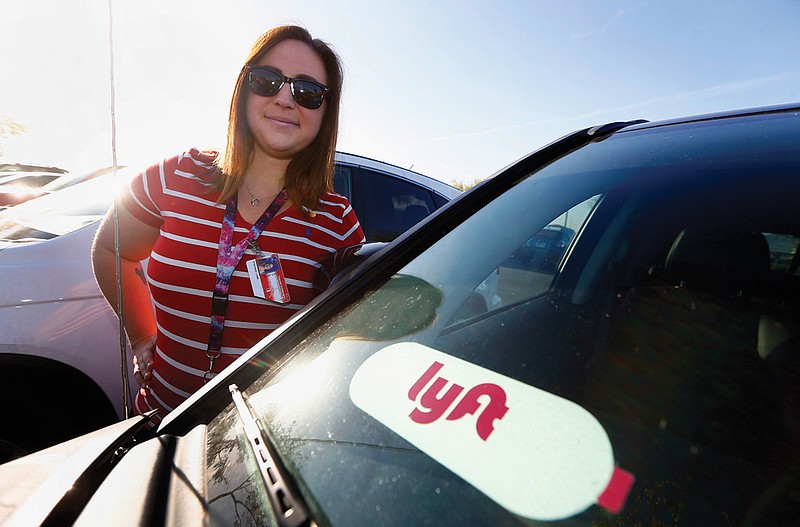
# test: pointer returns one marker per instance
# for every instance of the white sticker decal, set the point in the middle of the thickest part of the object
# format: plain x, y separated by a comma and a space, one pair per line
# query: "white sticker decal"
538, 455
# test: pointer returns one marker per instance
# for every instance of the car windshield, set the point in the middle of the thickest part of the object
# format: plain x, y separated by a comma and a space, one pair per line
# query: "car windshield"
60, 212
472, 388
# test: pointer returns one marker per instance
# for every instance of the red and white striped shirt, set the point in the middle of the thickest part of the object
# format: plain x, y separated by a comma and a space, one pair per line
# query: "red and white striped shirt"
181, 272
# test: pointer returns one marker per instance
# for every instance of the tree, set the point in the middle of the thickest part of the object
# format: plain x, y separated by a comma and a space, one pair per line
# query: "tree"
9, 127
463, 186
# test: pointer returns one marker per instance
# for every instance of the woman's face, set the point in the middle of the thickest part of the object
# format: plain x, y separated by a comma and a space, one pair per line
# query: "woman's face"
281, 127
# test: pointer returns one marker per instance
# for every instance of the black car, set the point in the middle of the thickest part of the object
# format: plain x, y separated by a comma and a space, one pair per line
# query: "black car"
545, 250
651, 378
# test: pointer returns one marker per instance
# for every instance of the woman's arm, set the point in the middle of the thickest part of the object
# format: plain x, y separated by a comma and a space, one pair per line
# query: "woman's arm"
136, 242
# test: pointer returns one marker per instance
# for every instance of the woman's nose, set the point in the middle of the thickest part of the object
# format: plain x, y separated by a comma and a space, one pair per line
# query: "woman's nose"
284, 96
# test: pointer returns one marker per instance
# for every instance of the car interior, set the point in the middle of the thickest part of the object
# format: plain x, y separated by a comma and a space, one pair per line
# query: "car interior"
675, 321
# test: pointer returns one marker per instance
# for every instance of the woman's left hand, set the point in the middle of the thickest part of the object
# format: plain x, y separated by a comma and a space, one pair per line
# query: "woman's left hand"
143, 354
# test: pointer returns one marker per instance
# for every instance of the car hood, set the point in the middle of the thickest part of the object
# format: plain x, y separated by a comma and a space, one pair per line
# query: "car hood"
34, 486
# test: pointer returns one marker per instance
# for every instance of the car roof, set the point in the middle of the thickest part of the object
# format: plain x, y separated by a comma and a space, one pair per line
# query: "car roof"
744, 112
437, 186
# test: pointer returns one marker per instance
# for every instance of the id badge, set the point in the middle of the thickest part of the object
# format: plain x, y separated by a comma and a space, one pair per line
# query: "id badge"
267, 278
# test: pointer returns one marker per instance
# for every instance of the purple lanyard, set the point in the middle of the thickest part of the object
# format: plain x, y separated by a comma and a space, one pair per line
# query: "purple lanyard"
228, 257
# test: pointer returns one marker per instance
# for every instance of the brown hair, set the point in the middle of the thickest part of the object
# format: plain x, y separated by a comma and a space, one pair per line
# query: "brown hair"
310, 172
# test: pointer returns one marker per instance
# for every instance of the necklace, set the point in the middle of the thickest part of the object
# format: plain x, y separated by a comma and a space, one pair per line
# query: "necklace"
254, 201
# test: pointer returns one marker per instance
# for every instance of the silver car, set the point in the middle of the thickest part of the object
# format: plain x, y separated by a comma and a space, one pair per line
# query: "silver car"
59, 339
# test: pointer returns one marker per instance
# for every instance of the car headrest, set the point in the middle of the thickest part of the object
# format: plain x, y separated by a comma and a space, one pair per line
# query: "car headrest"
718, 259
413, 214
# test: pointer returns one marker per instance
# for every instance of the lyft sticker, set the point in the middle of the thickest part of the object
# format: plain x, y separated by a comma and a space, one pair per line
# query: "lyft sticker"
536, 454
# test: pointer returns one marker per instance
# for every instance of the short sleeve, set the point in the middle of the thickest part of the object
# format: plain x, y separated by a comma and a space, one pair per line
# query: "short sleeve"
145, 196
141, 195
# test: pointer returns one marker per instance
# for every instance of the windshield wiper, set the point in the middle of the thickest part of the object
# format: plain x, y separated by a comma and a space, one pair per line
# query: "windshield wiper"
289, 507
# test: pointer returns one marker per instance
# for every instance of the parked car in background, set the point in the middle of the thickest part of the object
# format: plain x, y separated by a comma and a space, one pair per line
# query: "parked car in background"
58, 335
17, 186
30, 175
387, 199
545, 250
652, 379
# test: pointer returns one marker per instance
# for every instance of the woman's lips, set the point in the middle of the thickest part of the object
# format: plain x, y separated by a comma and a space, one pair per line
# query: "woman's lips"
281, 121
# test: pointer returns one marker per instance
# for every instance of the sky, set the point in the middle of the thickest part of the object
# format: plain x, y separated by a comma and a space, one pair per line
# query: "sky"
454, 89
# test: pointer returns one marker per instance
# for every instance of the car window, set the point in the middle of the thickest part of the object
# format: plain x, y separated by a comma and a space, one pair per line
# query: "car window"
531, 269
389, 206
343, 181
385, 204
783, 252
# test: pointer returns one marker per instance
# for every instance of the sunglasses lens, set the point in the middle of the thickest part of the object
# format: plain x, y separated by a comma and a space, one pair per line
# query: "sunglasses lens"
265, 82
308, 94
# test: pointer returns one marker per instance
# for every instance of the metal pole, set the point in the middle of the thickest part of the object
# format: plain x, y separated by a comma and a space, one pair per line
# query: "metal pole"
118, 263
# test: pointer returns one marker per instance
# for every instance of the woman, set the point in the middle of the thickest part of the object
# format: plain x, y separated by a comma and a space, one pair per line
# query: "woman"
234, 241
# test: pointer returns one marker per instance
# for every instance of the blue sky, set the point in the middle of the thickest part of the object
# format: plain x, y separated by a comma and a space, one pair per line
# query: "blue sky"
453, 89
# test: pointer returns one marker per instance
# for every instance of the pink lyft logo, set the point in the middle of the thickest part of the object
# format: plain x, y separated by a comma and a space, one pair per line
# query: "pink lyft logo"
536, 454
433, 407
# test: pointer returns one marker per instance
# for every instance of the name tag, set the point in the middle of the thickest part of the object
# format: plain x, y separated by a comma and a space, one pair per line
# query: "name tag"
267, 279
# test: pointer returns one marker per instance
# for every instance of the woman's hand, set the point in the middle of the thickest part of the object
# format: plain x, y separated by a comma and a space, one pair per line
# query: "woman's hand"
143, 354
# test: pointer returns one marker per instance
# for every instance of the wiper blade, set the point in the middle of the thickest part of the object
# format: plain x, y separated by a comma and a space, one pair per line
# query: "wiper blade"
289, 507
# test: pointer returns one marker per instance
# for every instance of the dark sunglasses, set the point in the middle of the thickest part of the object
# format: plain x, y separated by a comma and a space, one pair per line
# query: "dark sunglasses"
267, 83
